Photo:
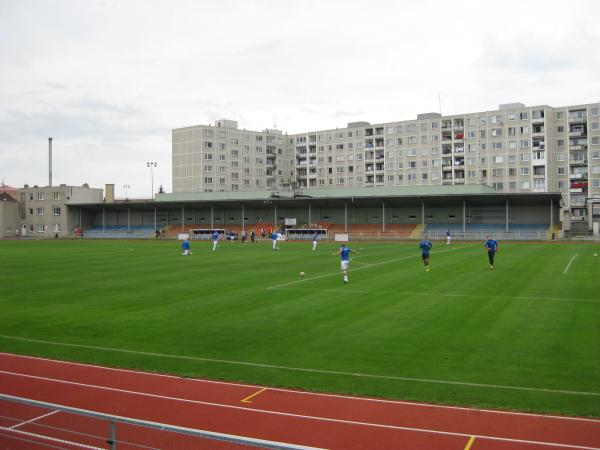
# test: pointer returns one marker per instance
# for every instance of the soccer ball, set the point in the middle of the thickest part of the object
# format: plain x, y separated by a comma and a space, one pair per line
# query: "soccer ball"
301, 274
595, 254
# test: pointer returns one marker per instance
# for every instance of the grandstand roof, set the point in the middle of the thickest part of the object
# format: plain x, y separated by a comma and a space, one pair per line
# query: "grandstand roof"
360, 197
377, 192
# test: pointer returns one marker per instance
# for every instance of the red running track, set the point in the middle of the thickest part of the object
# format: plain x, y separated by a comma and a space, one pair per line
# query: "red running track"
296, 417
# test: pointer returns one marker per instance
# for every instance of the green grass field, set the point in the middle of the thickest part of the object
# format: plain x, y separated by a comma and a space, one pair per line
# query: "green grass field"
525, 336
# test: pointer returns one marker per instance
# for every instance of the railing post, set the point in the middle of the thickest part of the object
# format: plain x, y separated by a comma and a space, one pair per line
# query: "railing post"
112, 438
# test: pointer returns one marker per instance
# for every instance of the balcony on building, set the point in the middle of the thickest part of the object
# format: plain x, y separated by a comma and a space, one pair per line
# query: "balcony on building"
578, 158
446, 124
379, 166
537, 131
537, 116
579, 187
312, 149
578, 131
369, 143
369, 132
378, 142
312, 138
459, 148
579, 116
446, 149
459, 136
446, 136
379, 154
459, 123
578, 174
379, 131
539, 171
369, 155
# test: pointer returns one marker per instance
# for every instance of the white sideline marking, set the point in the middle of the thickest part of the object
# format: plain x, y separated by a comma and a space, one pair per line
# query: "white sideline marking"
301, 416
48, 438
441, 294
317, 394
322, 371
32, 420
361, 268
570, 262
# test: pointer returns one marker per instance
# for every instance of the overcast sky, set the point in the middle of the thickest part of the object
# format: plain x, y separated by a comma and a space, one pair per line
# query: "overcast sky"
110, 79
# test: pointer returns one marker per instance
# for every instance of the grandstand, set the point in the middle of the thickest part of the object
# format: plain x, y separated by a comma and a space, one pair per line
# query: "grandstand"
469, 212
120, 232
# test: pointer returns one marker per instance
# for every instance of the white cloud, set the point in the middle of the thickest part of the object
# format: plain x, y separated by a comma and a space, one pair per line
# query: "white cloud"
110, 79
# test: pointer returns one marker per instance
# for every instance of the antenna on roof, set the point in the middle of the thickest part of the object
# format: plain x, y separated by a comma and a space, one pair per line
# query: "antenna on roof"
440, 102
274, 121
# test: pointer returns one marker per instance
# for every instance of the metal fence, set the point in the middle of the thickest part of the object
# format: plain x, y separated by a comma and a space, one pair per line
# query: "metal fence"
25, 423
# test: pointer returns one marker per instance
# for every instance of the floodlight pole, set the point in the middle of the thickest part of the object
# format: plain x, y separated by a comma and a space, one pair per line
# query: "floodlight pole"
464, 217
152, 165
383, 216
243, 219
212, 214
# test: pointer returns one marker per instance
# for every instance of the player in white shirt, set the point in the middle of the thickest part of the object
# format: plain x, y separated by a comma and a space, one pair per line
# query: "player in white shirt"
315, 241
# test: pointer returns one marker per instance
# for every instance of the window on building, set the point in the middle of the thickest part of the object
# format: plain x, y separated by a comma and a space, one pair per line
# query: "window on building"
39, 211
40, 228
56, 211
56, 196
40, 196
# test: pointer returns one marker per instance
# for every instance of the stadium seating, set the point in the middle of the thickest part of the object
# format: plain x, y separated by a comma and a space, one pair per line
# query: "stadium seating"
515, 230
120, 232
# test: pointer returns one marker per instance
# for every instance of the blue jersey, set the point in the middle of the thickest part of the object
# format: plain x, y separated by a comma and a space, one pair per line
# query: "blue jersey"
491, 245
425, 246
215, 236
345, 253
274, 236
185, 245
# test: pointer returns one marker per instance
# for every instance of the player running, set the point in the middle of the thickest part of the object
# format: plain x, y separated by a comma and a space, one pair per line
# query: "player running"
185, 247
448, 237
315, 238
491, 246
344, 252
274, 238
215, 239
425, 246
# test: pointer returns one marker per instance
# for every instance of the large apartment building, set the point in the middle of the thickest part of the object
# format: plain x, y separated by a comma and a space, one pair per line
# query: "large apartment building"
515, 148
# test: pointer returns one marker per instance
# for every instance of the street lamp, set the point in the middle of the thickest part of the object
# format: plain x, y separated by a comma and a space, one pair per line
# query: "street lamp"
152, 165
126, 186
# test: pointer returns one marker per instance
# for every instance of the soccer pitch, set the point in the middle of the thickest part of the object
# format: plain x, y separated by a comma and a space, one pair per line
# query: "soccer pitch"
525, 336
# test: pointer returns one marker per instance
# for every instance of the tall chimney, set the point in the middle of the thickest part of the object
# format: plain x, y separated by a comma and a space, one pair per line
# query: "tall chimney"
49, 161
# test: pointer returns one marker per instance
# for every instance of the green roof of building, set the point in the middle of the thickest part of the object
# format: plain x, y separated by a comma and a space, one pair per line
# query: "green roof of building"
400, 191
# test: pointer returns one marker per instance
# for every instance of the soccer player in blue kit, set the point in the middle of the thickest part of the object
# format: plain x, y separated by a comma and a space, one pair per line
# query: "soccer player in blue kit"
185, 247
274, 238
491, 246
425, 246
344, 252
215, 239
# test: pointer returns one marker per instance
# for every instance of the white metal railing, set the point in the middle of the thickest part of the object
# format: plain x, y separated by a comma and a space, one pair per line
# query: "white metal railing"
55, 434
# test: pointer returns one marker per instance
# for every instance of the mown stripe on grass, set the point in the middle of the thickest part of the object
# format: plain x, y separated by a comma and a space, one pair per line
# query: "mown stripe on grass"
309, 370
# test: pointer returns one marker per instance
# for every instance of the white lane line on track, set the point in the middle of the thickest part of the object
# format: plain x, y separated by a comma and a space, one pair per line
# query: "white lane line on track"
360, 268
302, 416
317, 394
32, 420
321, 371
570, 262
